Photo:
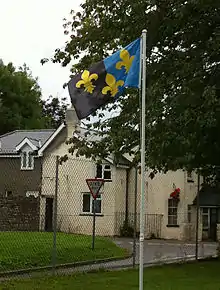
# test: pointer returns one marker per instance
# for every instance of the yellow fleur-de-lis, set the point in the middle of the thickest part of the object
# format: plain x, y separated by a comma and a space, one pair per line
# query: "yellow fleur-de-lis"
126, 60
86, 81
112, 85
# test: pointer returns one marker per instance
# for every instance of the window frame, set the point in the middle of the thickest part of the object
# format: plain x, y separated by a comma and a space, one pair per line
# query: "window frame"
207, 214
189, 176
90, 212
29, 160
173, 216
104, 169
189, 213
8, 194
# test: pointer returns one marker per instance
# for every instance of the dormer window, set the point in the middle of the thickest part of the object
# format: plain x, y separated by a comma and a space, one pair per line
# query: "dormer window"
27, 160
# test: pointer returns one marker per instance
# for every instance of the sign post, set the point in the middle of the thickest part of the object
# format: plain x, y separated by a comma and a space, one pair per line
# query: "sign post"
94, 185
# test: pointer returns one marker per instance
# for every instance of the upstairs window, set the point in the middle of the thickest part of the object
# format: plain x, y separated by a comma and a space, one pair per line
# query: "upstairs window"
189, 176
8, 194
27, 161
103, 171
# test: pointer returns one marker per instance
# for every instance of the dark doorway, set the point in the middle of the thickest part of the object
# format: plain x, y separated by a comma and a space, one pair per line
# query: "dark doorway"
49, 215
213, 223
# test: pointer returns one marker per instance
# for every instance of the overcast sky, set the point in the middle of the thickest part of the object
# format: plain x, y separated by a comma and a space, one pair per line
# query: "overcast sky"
31, 30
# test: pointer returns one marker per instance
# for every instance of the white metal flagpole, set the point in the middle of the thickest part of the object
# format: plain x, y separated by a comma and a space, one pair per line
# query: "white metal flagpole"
142, 204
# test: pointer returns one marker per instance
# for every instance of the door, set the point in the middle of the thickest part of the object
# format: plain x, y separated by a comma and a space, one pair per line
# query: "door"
213, 223
49, 215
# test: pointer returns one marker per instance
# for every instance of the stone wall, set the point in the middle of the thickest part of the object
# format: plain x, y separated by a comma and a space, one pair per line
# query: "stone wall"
19, 210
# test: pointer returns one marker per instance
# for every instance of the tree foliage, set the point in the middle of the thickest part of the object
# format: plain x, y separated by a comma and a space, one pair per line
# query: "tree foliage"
53, 111
21, 106
19, 99
183, 73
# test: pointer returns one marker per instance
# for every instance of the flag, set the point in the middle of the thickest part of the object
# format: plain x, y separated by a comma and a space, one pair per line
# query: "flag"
106, 80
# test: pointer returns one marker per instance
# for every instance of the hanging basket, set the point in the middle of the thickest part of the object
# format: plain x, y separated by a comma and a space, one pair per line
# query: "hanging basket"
175, 194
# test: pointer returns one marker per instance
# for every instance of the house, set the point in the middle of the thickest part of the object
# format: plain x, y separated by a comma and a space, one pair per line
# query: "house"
20, 179
166, 217
32, 182
74, 201
28, 184
171, 207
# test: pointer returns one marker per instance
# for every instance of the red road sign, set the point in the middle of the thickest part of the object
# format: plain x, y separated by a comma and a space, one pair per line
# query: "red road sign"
94, 185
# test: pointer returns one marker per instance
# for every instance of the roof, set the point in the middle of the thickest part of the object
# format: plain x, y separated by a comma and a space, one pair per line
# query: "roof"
208, 196
93, 135
10, 140
41, 139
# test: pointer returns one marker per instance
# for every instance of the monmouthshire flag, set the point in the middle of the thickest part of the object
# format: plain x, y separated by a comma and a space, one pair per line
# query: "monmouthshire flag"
105, 80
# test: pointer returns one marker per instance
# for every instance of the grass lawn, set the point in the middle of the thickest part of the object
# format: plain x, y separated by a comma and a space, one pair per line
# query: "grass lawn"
20, 250
202, 276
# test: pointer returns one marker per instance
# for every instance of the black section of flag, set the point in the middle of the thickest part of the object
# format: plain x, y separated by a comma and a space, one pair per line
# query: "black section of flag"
84, 102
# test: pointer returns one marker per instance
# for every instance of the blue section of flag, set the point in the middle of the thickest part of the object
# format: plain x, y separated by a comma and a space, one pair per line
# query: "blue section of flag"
105, 80
131, 77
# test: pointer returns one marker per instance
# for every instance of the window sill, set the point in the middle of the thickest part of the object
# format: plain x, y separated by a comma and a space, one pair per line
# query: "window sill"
173, 226
91, 214
107, 180
27, 169
190, 181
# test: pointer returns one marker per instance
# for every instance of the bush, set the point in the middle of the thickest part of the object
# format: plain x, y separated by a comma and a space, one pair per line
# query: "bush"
126, 230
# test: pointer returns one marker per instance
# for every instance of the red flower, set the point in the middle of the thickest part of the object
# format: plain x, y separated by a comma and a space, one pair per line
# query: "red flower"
175, 193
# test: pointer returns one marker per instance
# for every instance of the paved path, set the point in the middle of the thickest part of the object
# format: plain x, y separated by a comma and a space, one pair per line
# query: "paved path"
155, 251
160, 250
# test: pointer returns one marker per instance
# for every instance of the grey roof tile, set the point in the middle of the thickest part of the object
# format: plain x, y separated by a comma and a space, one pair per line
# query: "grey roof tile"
10, 140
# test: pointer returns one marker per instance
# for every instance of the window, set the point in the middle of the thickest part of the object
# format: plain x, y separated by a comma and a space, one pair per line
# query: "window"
205, 218
189, 213
189, 176
172, 212
99, 171
8, 193
88, 203
103, 171
27, 160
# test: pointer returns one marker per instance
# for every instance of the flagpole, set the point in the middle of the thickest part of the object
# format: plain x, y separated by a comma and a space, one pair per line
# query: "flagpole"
142, 204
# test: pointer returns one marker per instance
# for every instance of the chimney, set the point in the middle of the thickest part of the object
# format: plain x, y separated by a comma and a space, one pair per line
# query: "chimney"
72, 122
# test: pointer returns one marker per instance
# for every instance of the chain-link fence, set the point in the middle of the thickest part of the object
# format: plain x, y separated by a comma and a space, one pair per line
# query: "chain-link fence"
47, 217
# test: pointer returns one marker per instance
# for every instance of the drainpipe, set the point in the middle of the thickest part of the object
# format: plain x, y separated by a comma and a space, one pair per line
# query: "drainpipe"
197, 218
126, 196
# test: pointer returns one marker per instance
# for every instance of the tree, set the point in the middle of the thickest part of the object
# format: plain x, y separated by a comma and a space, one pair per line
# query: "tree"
19, 99
183, 70
21, 106
53, 111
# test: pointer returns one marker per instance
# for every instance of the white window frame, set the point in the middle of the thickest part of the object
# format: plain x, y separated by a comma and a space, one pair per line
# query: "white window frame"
91, 199
208, 215
105, 170
8, 193
172, 215
190, 176
29, 157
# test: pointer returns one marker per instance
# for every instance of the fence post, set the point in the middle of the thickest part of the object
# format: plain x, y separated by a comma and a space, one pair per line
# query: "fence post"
135, 217
54, 252
197, 218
